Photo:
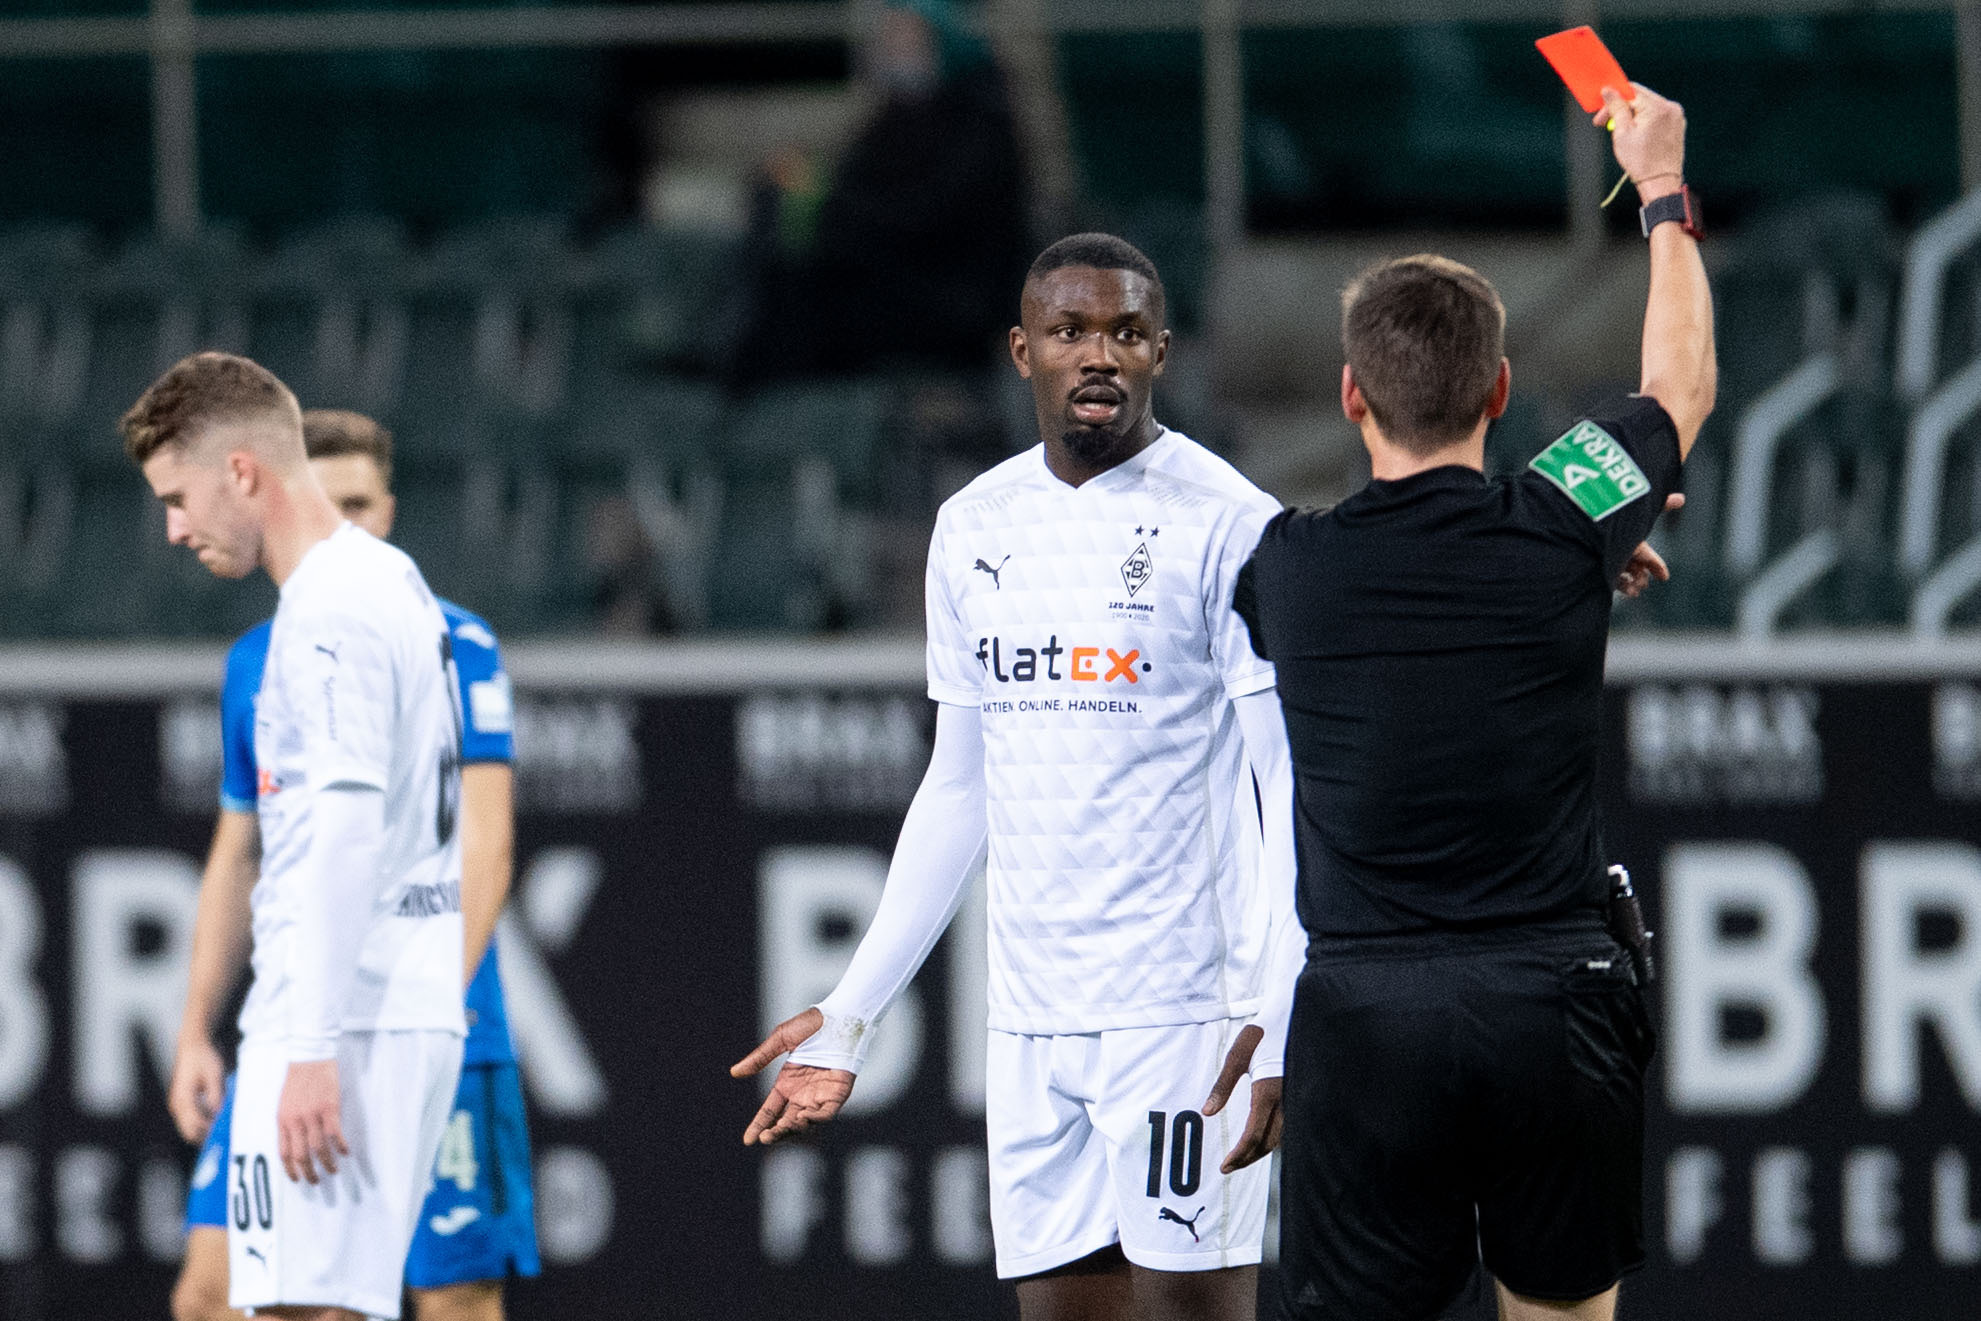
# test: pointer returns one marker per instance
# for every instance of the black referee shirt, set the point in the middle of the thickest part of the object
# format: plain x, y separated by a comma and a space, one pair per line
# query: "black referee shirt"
1439, 643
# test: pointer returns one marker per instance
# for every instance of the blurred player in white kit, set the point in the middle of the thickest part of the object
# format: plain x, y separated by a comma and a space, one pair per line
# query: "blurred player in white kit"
352, 1032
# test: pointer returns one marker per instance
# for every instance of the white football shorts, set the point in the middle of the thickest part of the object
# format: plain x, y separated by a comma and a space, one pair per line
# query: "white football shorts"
1099, 1138
341, 1242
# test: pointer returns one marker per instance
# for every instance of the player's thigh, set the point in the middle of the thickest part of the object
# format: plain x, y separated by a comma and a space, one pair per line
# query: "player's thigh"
1227, 1294
1561, 1135
478, 1220
1376, 1218
1515, 1308
479, 1300
200, 1292
1095, 1287
1051, 1198
1178, 1211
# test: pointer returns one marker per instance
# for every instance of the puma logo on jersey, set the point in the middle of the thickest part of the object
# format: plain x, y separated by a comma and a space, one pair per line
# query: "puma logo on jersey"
1190, 1224
454, 1221
330, 651
982, 566
256, 1254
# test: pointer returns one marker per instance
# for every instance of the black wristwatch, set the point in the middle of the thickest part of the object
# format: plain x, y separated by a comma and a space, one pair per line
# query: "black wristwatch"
1681, 206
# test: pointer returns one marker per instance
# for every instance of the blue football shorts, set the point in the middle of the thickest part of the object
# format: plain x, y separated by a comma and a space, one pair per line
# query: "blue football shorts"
206, 1199
479, 1221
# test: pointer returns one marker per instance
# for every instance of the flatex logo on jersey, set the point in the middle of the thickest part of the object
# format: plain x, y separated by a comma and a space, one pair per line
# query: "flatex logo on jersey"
1115, 670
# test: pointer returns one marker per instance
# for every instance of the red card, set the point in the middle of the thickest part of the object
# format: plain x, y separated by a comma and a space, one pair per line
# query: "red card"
1586, 65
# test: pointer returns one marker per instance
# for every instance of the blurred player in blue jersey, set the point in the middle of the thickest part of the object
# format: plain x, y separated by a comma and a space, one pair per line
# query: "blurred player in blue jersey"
477, 1226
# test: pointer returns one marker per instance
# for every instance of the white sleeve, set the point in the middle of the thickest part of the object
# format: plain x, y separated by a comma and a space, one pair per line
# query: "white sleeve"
346, 682
941, 842
1263, 728
955, 674
338, 883
1241, 668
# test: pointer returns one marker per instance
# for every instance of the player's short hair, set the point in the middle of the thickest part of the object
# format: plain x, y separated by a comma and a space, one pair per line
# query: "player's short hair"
1424, 336
198, 392
1104, 252
330, 432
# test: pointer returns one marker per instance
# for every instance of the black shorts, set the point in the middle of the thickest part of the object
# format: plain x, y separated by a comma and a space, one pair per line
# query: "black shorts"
1454, 1098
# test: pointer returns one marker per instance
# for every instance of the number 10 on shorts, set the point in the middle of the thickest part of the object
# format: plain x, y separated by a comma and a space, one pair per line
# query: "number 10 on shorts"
1183, 1139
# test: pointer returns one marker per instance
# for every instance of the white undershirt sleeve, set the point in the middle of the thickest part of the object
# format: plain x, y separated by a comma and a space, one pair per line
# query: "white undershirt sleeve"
338, 885
1263, 727
942, 840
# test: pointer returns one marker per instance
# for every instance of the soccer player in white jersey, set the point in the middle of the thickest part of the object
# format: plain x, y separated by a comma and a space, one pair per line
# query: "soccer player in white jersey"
1101, 720
351, 1035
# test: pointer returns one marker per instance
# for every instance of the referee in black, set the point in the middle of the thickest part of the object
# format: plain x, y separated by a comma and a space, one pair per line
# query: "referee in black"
1465, 1066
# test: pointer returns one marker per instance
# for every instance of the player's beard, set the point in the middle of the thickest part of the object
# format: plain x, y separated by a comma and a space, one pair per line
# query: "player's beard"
1094, 444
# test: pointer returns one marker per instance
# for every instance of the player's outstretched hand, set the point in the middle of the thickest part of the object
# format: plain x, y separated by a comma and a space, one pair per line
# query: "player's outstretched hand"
1263, 1125
802, 1095
1645, 563
1648, 136
199, 1083
309, 1120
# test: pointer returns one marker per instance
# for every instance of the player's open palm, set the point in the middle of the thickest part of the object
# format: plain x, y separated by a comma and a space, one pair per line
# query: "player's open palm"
801, 1095
199, 1083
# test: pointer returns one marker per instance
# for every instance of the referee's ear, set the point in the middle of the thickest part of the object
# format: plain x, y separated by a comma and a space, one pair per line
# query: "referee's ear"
1502, 391
1353, 406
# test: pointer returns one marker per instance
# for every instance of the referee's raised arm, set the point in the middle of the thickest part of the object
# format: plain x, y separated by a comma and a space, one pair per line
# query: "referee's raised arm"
1680, 369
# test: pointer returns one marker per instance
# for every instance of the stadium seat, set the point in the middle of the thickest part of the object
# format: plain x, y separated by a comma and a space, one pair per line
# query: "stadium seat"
45, 331
664, 298
842, 422
331, 315
162, 298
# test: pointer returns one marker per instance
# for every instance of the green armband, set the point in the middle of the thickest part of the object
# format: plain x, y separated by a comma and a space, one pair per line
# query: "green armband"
1594, 471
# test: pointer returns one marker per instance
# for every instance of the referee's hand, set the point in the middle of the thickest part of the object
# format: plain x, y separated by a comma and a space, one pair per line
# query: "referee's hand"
1262, 1127
802, 1095
1645, 563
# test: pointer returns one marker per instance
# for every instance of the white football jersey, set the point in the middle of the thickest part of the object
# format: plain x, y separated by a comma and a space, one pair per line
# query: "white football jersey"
1093, 627
360, 689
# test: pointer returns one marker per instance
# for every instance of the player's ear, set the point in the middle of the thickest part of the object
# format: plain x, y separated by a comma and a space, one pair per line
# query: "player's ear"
1162, 351
243, 472
388, 507
1502, 390
1021, 352
1353, 406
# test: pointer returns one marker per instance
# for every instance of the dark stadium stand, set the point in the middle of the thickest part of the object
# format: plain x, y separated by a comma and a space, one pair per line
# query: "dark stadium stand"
535, 380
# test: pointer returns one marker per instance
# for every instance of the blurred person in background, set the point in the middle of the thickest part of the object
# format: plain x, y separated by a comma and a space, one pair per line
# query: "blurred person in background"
902, 252
1101, 725
1465, 1066
622, 566
477, 1225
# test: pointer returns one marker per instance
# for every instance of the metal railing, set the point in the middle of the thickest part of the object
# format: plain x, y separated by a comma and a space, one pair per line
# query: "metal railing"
1762, 427
1933, 250
174, 37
